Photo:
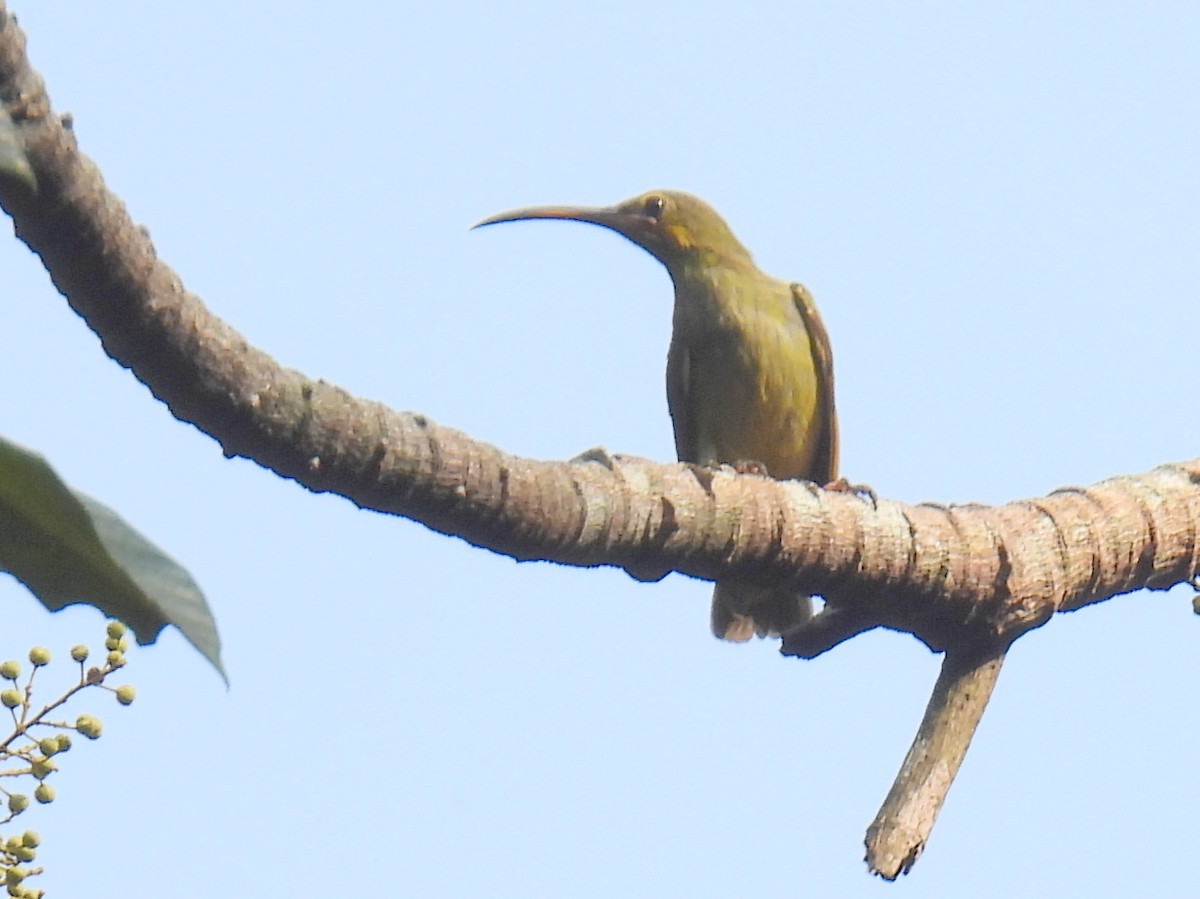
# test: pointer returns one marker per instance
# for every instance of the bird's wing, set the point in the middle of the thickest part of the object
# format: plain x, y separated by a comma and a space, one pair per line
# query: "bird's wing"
679, 366
825, 462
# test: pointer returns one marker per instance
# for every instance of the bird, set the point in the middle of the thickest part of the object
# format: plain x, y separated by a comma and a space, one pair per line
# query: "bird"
749, 370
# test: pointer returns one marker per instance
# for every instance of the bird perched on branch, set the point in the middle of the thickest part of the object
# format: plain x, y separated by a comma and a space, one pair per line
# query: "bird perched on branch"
749, 371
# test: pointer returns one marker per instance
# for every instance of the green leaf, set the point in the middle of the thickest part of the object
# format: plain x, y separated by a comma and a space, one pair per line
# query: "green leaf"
13, 162
69, 548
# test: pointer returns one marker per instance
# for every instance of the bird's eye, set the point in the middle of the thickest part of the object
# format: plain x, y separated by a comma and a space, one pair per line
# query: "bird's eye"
654, 206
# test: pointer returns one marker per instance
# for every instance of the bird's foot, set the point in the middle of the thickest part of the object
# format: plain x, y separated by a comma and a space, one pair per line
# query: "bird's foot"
750, 466
596, 454
864, 491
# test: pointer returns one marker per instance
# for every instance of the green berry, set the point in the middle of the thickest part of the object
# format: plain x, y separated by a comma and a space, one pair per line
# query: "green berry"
79, 653
115, 629
64, 742
41, 768
13, 876
89, 726
10, 698
10, 669
48, 745
31, 839
39, 656
112, 644
24, 854
17, 803
115, 659
12, 844
125, 694
44, 793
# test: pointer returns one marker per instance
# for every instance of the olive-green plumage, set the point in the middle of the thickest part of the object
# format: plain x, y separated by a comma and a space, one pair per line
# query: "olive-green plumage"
749, 371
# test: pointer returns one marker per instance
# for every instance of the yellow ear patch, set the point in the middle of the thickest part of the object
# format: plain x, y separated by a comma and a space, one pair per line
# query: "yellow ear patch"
680, 236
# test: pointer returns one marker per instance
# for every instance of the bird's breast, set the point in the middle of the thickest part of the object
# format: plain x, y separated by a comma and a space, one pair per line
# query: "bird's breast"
745, 384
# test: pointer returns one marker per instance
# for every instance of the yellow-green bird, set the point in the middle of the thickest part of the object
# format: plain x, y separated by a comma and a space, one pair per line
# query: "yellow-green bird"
749, 371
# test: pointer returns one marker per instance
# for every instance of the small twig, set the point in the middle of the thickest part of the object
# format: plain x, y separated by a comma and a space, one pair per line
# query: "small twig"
898, 833
23, 726
824, 631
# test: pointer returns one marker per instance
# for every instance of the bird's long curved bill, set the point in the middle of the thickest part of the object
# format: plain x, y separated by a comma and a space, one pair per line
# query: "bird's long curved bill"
605, 216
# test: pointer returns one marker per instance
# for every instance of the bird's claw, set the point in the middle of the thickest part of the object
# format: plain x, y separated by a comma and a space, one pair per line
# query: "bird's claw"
750, 466
863, 491
596, 454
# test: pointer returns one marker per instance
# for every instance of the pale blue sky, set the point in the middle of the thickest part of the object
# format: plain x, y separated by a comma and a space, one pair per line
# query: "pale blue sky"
996, 209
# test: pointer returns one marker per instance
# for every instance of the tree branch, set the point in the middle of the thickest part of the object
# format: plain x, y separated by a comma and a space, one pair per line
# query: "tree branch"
897, 836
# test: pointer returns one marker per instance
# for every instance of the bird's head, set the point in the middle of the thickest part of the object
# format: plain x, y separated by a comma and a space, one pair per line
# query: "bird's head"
670, 225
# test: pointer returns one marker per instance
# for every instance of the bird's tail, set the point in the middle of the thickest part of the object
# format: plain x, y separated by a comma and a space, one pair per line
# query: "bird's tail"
740, 611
